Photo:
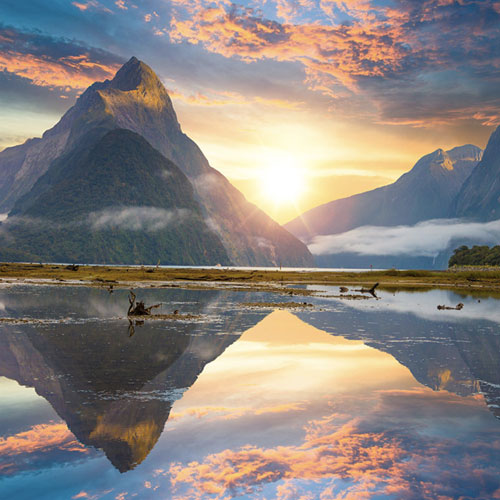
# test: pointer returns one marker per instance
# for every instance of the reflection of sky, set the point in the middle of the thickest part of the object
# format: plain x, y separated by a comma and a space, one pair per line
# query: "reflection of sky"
424, 304
288, 412
32, 436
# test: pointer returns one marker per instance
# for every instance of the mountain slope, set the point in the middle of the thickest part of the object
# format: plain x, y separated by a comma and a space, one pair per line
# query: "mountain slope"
117, 200
479, 197
137, 100
425, 192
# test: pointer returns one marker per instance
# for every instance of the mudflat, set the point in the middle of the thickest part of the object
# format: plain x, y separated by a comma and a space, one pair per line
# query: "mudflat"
474, 280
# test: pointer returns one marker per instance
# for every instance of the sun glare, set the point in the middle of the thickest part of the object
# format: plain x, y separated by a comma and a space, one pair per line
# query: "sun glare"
283, 181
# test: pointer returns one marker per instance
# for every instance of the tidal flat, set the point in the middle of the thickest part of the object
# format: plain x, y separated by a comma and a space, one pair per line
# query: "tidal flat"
478, 280
274, 389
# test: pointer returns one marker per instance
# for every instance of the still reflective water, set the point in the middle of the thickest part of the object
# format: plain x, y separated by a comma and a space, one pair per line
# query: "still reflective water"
386, 398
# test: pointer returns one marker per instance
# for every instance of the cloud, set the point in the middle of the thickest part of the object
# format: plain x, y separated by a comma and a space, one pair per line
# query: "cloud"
19, 94
26, 450
137, 218
342, 51
213, 413
121, 4
207, 184
426, 239
224, 98
346, 459
94, 4
54, 62
390, 56
41, 437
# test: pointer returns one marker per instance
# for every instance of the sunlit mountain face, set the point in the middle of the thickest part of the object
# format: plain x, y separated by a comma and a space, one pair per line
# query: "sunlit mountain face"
332, 98
379, 398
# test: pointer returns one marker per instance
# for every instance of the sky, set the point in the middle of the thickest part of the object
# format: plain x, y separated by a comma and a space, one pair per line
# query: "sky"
297, 102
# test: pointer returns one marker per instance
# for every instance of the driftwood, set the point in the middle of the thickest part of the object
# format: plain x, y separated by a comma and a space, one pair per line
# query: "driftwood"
138, 308
368, 290
343, 289
458, 307
72, 267
132, 324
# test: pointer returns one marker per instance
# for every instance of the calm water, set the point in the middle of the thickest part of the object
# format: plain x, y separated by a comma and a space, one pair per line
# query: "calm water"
386, 398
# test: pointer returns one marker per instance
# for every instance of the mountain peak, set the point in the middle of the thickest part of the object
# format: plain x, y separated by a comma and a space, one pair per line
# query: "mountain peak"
134, 74
465, 152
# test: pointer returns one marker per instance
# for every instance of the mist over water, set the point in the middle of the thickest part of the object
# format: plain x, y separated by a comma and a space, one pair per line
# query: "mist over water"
426, 239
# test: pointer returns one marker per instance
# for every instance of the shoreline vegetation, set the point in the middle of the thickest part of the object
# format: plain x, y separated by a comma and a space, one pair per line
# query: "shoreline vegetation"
471, 278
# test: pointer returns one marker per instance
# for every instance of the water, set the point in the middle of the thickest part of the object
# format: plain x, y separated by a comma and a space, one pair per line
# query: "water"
386, 398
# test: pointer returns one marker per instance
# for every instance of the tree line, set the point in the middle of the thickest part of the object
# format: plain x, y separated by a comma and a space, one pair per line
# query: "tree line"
475, 256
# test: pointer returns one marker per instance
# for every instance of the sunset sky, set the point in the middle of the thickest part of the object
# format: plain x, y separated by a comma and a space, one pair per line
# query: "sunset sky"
319, 98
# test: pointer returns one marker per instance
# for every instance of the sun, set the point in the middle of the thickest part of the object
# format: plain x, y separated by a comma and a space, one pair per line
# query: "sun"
283, 181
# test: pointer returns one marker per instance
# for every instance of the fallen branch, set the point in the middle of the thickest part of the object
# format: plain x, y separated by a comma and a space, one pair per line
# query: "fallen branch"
458, 307
368, 290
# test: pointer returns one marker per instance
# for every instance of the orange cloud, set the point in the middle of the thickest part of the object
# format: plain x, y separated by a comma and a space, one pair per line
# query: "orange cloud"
41, 437
94, 4
367, 47
82, 494
369, 462
368, 459
80, 6
77, 72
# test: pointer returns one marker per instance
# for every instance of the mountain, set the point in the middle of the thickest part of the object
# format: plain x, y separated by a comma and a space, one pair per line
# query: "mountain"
425, 192
114, 199
136, 100
479, 197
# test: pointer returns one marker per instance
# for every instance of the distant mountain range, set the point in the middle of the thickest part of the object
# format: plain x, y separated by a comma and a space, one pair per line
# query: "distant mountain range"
117, 181
426, 192
461, 184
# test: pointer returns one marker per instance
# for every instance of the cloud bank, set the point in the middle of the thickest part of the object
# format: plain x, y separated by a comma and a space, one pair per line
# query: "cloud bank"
137, 218
425, 239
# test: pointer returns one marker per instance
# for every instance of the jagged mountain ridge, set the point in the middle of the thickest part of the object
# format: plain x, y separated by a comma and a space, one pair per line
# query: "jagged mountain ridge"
427, 191
135, 99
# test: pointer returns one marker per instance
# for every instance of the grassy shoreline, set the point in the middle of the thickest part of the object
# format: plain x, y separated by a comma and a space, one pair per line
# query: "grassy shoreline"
466, 280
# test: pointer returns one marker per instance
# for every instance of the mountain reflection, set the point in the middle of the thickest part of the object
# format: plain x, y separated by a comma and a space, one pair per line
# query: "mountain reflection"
289, 411
115, 392
461, 356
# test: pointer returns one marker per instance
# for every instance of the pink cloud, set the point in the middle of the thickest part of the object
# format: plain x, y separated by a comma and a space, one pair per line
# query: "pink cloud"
75, 72
42, 437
